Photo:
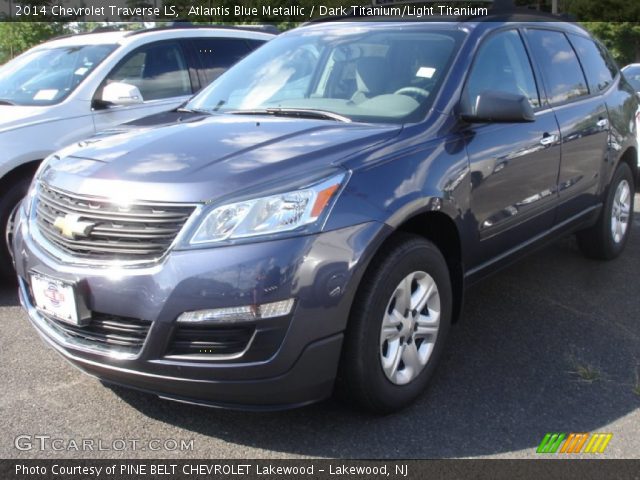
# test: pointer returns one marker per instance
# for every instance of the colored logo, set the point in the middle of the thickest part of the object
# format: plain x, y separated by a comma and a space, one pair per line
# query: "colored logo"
55, 296
574, 443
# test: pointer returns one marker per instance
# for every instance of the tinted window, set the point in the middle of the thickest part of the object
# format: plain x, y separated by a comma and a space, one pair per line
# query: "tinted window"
218, 54
561, 70
253, 44
593, 63
158, 70
502, 64
611, 64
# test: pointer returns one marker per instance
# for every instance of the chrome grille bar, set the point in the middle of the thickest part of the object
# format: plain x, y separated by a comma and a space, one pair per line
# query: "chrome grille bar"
140, 231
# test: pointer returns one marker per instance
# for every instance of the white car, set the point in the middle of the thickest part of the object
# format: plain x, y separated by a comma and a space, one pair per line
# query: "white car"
632, 74
67, 89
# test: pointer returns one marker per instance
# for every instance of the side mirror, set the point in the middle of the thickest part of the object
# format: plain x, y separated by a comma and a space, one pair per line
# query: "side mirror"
117, 93
497, 107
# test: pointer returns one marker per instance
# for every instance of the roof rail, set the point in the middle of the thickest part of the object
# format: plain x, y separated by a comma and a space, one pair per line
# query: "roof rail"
101, 29
262, 28
106, 28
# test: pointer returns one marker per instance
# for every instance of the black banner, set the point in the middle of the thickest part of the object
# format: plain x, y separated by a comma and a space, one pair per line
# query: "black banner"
285, 11
319, 469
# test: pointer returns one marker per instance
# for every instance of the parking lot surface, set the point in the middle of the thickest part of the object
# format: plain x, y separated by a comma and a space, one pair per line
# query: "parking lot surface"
551, 344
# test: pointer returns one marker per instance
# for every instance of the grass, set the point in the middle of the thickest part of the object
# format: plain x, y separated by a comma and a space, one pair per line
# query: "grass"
636, 385
585, 371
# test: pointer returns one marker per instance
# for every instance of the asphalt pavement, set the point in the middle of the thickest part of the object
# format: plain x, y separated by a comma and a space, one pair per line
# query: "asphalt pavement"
551, 344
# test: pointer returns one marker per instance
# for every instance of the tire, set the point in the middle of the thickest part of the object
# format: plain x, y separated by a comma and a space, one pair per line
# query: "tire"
362, 375
607, 238
9, 201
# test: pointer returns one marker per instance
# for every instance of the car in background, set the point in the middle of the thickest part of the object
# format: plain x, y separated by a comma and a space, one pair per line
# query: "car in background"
67, 89
632, 74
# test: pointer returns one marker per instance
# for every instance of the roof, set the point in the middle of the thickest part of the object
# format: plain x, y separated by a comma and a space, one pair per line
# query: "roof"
492, 11
522, 16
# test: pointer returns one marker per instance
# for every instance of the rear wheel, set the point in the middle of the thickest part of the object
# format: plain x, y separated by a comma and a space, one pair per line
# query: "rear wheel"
9, 203
398, 326
608, 237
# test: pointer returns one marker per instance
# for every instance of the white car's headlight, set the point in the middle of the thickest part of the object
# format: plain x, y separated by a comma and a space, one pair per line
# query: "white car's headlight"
268, 215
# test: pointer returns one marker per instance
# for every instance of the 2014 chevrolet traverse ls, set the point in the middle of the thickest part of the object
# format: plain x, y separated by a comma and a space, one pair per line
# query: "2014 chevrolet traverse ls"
317, 212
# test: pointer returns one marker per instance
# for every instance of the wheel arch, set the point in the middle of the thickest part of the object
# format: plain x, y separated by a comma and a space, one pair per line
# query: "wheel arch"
440, 229
630, 157
27, 169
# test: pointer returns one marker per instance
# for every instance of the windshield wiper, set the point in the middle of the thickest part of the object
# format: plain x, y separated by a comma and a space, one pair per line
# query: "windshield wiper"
6, 102
192, 110
294, 112
208, 111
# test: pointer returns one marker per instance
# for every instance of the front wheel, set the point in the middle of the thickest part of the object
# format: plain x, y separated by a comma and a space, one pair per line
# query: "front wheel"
608, 237
398, 326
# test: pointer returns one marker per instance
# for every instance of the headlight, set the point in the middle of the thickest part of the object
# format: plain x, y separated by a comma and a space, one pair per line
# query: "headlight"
269, 215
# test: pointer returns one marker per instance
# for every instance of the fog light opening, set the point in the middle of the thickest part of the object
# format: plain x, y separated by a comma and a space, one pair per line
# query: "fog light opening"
239, 314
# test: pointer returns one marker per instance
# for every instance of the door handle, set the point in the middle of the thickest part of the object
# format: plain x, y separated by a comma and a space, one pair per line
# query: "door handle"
548, 139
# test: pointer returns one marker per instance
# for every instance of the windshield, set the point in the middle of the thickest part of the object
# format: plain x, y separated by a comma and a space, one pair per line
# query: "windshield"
47, 76
632, 74
368, 73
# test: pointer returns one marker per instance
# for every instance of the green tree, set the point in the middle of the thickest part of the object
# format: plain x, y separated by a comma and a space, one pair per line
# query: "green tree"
606, 19
621, 38
16, 37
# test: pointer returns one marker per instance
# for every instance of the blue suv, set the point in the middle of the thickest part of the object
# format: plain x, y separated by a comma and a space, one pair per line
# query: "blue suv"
314, 216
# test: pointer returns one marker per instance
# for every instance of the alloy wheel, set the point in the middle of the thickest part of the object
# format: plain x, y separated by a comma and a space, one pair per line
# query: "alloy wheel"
620, 211
410, 328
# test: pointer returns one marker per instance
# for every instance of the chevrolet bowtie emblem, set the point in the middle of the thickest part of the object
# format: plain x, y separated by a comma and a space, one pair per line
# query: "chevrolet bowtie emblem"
71, 227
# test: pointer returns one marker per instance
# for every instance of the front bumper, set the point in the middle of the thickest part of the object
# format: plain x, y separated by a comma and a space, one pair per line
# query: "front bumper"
289, 361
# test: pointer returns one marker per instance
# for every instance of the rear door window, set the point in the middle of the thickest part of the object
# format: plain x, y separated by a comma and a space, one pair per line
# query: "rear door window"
593, 62
563, 77
218, 54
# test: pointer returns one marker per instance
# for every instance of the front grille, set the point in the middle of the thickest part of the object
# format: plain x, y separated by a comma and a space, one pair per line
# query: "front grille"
109, 331
137, 232
208, 340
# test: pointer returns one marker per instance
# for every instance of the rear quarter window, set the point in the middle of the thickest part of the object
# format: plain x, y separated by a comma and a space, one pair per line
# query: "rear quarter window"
594, 63
218, 54
563, 77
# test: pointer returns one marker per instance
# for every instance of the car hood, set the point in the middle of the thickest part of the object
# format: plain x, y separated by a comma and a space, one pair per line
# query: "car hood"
16, 116
196, 158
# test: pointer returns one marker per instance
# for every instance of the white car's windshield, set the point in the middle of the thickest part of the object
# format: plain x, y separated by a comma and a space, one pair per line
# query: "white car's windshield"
369, 73
46, 76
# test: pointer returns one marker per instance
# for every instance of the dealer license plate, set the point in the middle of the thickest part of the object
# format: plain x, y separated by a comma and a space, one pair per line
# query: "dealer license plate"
55, 297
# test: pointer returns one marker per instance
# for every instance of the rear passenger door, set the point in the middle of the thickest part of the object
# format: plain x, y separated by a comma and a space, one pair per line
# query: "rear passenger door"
215, 55
581, 112
514, 166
